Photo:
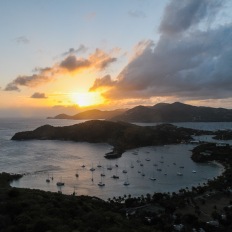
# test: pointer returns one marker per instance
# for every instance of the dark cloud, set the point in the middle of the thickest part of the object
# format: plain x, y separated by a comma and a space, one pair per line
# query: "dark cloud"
98, 60
101, 60
81, 49
38, 95
102, 82
22, 40
193, 64
182, 15
29, 81
137, 14
71, 63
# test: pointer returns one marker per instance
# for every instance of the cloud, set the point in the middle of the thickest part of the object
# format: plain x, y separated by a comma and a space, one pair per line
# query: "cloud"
81, 49
105, 81
180, 16
99, 60
137, 14
187, 61
71, 63
38, 95
22, 40
41, 76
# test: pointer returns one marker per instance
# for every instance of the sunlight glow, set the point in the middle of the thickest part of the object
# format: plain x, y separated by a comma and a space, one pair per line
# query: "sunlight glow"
86, 99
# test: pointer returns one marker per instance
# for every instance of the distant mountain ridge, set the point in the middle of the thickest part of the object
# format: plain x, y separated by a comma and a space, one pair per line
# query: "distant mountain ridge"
91, 114
161, 112
175, 112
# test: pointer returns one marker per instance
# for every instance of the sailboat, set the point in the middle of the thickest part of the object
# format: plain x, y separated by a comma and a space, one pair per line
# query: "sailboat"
116, 175
99, 165
103, 172
132, 166
109, 167
101, 184
48, 179
92, 169
142, 173
77, 175
126, 183
60, 183
153, 177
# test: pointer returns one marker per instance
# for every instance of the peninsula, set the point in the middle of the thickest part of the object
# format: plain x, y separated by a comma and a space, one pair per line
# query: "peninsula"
121, 135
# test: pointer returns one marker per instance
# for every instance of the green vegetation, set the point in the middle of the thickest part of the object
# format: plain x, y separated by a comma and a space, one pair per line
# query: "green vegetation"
120, 135
25, 210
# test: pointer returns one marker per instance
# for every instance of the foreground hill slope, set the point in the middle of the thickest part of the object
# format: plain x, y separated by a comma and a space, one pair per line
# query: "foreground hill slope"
176, 112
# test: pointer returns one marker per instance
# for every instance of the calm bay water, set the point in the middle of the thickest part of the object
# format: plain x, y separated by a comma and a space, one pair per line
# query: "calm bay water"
63, 159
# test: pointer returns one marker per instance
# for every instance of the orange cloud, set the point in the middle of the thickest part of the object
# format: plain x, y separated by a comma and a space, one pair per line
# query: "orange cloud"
98, 60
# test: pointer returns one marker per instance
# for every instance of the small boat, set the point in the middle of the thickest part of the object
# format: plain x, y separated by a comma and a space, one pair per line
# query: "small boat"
141, 164
161, 162
152, 178
147, 159
92, 169
126, 183
115, 177
139, 171
124, 171
174, 163
99, 165
179, 174
77, 175
60, 183
181, 167
193, 171
143, 174
83, 166
103, 172
132, 166
159, 169
155, 164
48, 179
101, 184
109, 168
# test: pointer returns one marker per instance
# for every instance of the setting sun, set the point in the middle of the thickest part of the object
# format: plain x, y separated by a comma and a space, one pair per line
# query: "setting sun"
86, 99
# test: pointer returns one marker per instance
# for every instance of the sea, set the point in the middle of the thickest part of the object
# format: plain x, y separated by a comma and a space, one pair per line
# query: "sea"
147, 169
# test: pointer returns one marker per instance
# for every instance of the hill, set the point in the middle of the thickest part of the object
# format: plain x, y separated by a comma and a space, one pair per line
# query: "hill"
90, 114
120, 135
175, 112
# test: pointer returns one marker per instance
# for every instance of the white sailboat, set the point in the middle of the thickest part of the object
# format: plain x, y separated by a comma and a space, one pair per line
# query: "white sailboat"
132, 166
101, 184
103, 172
126, 183
99, 165
153, 177
92, 168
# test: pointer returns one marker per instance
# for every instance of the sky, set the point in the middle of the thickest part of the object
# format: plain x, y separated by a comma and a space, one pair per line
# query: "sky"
66, 56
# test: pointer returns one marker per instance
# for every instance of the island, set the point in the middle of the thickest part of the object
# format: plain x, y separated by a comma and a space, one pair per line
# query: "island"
121, 135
